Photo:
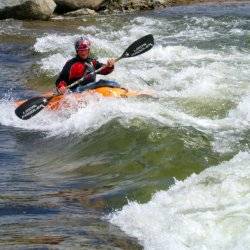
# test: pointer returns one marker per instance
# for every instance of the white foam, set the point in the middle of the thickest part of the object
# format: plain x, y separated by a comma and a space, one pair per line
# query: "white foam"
90, 29
48, 63
82, 119
54, 43
97, 111
205, 211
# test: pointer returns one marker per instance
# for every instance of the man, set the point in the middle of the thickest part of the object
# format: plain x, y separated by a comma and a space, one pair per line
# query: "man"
82, 65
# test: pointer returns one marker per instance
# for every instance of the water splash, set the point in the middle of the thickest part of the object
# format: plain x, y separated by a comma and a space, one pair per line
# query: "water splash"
200, 212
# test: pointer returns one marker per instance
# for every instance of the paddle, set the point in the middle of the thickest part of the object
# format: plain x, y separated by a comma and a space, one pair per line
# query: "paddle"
34, 105
138, 47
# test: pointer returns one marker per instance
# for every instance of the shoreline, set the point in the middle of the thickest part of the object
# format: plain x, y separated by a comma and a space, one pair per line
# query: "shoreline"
109, 8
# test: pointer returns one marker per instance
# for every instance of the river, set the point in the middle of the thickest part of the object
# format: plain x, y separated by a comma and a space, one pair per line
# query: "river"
169, 172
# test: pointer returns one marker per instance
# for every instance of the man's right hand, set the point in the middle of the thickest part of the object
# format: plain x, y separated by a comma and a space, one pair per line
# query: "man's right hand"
61, 87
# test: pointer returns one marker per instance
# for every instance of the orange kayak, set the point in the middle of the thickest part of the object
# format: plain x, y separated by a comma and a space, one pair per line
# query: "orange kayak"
65, 101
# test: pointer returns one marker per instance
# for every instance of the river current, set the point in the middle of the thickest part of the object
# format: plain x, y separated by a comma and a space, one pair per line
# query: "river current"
168, 172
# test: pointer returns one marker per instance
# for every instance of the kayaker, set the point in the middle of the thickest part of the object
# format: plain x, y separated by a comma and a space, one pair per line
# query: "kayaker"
82, 65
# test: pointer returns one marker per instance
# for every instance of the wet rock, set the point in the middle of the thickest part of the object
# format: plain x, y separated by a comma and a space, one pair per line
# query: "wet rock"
132, 5
29, 9
81, 12
68, 5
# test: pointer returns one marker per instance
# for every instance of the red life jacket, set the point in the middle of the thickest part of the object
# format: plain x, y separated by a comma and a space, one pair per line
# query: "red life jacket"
76, 68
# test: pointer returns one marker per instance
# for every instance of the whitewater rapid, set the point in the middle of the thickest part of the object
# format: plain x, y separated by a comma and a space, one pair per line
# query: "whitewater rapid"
199, 71
189, 82
205, 211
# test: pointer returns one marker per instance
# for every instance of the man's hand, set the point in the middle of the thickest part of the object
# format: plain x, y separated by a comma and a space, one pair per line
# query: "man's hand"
110, 62
62, 87
90, 77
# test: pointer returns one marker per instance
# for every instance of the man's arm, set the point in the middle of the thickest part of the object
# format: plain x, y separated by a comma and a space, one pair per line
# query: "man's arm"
63, 80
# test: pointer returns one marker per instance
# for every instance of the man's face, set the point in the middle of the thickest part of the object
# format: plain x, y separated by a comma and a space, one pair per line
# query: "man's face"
83, 54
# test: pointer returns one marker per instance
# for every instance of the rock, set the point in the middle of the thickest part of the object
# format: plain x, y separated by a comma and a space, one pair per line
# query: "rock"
68, 5
29, 9
81, 12
131, 5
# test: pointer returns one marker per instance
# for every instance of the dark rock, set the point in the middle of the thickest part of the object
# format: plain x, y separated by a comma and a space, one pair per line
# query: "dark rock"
135, 5
69, 5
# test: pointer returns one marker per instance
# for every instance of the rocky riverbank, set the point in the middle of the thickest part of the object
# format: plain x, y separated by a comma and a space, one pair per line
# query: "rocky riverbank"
45, 9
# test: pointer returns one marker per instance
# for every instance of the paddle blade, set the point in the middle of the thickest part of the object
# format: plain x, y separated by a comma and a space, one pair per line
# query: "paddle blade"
31, 107
138, 47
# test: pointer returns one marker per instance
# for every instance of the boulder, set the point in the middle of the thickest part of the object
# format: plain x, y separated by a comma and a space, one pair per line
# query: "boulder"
29, 9
68, 5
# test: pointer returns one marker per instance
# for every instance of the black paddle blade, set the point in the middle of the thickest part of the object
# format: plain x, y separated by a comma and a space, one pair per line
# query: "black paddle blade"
31, 107
140, 46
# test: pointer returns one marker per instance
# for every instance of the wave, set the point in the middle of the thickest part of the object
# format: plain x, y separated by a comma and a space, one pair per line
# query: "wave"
206, 211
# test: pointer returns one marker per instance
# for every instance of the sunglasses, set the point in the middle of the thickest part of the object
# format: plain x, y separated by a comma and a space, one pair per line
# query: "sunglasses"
82, 47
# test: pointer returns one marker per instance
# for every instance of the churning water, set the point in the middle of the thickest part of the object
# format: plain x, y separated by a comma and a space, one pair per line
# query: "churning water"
169, 172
